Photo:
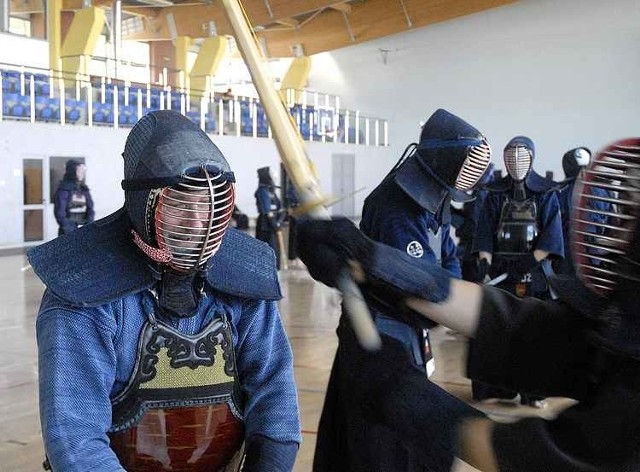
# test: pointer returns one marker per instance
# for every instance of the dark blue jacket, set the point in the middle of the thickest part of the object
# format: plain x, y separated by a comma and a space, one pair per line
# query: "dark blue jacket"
565, 199
61, 204
266, 200
391, 217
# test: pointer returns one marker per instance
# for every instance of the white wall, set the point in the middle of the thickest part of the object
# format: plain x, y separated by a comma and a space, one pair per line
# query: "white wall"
563, 72
14, 49
102, 148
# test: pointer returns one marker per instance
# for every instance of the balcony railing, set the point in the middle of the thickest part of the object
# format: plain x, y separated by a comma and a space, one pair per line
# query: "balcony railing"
34, 95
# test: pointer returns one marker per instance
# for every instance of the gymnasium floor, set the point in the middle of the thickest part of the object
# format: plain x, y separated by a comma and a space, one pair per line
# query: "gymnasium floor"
310, 313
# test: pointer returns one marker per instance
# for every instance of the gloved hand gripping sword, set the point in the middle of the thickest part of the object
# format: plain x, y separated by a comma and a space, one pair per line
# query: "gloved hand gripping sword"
295, 160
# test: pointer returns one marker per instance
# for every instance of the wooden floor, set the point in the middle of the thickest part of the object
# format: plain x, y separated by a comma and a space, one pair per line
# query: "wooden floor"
310, 313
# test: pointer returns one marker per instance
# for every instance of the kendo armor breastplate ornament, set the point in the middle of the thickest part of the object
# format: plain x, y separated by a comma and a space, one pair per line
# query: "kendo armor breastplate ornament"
606, 208
517, 228
178, 412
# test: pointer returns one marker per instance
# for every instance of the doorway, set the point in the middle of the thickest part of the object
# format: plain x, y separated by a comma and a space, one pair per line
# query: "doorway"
343, 184
35, 200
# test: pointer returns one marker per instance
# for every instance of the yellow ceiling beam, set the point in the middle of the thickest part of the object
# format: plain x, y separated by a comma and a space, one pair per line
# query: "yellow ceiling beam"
297, 75
81, 41
342, 7
26, 6
326, 31
35, 6
54, 7
290, 22
212, 52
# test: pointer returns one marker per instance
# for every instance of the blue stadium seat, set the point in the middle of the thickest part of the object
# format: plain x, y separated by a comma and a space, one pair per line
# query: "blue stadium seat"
102, 113
47, 109
209, 120
73, 109
262, 122
127, 115
176, 101
16, 105
154, 99
133, 95
11, 81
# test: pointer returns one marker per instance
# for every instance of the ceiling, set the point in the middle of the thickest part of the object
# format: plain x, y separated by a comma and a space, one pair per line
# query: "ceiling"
287, 26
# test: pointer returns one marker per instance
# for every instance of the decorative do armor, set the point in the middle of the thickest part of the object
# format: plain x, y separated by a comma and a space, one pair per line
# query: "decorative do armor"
517, 227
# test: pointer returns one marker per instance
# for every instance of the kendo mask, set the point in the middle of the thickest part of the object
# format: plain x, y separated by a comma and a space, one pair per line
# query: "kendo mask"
179, 194
450, 159
518, 157
574, 160
606, 246
606, 211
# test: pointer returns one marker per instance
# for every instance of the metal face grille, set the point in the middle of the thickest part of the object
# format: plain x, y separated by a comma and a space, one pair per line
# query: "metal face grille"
517, 160
192, 217
606, 206
474, 166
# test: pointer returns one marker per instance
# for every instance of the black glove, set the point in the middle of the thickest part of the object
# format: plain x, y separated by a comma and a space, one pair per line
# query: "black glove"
524, 265
483, 269
498, 267
274, 223
325, 246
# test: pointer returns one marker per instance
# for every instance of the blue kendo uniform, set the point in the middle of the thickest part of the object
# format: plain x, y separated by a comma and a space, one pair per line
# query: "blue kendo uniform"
112, 352
524, 275
391, 217
269, 211
549, 229
408, 210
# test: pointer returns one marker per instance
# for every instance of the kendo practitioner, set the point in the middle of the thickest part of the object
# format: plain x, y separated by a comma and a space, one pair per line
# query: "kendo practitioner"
585, 345
409, 210
72, 202
159, 339
572, 162
519, 233
292, 203
521, 224
270, 215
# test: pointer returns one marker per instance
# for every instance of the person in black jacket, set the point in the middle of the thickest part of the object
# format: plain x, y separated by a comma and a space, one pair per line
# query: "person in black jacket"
72, 202
270, 215
585, 345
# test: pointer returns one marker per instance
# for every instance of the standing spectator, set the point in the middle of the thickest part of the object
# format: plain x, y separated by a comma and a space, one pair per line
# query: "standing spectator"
269, 224
72, 202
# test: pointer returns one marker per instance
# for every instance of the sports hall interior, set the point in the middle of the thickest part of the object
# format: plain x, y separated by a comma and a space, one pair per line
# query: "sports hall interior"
359, 77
